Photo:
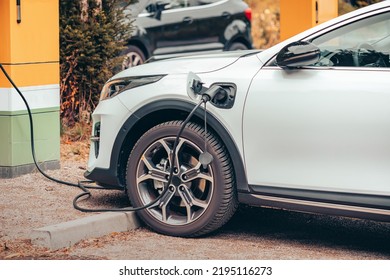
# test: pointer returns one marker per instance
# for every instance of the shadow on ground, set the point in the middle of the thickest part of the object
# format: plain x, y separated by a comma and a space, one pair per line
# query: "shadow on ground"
307, 229
105, 199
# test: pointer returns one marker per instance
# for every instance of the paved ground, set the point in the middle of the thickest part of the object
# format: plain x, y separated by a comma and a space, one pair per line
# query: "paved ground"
255, 234
31, 201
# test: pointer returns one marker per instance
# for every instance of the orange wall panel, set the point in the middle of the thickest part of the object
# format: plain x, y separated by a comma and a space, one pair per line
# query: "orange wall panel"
31, 74
298, 15
327, 9
5, 40
30, 49
36, 38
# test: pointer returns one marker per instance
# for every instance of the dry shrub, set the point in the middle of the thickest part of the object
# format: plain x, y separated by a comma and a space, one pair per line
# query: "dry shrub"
79, 131
265, 22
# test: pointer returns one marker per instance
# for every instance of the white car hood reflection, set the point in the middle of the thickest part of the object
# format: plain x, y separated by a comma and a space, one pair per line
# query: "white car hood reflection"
183, 65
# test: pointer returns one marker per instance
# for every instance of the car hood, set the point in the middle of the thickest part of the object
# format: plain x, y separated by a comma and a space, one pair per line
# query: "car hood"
183, 65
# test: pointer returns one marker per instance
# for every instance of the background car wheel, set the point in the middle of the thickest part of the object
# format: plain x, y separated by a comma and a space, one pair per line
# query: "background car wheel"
199, 199
133, 57
237, 46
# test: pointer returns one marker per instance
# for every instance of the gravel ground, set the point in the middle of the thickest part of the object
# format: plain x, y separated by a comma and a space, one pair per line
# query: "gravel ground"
31, 201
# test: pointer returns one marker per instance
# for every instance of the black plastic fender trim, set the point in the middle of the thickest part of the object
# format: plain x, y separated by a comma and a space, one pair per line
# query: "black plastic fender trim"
331, 197
311, 206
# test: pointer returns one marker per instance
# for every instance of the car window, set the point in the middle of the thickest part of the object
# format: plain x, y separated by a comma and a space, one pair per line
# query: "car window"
146, 6
365, 43
174, 4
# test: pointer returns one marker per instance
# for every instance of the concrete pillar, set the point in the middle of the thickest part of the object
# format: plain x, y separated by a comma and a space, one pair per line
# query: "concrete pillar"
29, 51
298, 15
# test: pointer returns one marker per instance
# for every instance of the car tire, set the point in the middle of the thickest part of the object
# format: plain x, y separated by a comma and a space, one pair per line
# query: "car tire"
237, 46
201, 199
133, 57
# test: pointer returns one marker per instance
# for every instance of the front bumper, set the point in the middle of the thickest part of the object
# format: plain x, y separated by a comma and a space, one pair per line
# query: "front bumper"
105, 177
108, 119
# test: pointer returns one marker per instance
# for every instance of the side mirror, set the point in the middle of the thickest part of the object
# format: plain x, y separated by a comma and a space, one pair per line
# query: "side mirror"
298, 54
156, 9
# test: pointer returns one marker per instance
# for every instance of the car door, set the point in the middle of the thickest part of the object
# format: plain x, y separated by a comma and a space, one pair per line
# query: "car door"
213, 17
178, 28
325, 127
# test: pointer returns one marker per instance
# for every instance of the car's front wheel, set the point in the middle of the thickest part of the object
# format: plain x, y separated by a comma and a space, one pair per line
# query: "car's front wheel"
199, 198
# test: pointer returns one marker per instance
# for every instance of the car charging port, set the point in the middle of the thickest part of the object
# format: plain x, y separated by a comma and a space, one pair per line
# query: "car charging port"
225, 97
221, 95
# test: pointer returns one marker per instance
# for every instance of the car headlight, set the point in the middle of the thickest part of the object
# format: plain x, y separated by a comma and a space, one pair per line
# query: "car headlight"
114, 87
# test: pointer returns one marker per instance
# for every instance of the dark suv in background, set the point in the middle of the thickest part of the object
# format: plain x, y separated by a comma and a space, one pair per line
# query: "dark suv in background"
170, 28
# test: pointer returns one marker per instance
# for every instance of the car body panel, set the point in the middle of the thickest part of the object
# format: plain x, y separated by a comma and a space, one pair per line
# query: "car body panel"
333, 134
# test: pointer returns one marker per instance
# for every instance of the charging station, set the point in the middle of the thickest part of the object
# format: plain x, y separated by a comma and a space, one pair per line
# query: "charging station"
298, 15
29, 52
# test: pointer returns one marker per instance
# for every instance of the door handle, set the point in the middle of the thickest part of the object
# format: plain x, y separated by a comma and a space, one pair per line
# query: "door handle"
226, 15
188, 20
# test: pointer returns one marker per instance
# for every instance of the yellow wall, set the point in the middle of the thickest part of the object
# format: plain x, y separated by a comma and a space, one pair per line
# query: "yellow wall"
30, 49
299, 15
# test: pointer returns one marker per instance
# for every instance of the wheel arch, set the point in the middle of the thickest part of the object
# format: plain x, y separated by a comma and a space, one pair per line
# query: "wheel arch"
241, 40
161, 111
141, 45
238, 32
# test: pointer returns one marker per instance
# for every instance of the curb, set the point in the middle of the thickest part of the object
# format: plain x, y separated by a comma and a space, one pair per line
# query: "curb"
69, 233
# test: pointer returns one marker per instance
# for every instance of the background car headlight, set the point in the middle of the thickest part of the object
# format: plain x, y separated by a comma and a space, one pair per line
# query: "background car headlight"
114, 87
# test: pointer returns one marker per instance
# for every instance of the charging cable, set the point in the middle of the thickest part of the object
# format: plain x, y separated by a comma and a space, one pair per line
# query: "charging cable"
86, 193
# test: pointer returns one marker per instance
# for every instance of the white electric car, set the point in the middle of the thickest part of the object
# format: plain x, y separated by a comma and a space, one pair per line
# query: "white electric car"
304, 125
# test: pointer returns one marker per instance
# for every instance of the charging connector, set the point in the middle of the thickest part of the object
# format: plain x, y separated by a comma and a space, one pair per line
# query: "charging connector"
215, 92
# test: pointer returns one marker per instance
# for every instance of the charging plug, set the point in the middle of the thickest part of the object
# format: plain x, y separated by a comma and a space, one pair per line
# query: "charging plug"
197, 86
214, 91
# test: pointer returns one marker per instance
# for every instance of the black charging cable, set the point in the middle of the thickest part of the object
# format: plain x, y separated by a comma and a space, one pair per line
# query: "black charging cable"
86, 193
